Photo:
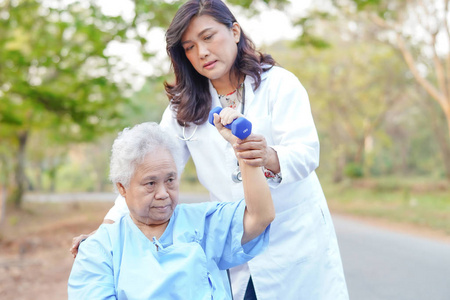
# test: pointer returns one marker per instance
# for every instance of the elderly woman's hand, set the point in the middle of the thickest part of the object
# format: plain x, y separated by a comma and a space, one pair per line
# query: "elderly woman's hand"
226, 116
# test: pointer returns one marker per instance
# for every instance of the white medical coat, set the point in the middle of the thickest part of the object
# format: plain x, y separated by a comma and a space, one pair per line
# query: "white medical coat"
303, 259
190, 261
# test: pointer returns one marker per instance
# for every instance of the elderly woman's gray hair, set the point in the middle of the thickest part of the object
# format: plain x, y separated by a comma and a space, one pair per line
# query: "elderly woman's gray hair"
132, 145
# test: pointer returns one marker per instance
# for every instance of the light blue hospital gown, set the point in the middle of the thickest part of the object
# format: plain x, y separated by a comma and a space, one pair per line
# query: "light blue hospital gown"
200, 242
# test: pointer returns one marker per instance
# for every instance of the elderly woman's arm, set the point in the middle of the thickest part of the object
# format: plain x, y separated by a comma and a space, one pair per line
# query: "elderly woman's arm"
92, 276
260, 211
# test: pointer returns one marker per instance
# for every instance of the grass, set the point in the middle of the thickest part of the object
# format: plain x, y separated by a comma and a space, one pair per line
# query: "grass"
410, 201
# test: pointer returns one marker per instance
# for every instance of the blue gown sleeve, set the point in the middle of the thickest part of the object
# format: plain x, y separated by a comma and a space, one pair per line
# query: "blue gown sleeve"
92, 274
224, 229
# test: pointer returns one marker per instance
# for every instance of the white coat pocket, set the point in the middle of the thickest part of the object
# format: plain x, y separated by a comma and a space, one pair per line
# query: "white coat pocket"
297, 231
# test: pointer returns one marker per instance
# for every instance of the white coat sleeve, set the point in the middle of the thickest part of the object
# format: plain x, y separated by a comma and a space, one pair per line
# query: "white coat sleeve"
170, 125
119, 209
293, 131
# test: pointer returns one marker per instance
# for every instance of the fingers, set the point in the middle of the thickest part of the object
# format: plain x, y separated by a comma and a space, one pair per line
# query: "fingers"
74, 252
228, 115
217, 122
254, 162
225, 132
252, 158
251, 154
253, 138
253, 150
76, 243
245, 145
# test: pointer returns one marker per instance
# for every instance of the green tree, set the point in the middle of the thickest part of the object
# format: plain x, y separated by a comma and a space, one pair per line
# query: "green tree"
56, 77
353, 85
420, 31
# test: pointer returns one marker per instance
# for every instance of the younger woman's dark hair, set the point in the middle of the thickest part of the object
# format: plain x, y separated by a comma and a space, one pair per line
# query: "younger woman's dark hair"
189, 95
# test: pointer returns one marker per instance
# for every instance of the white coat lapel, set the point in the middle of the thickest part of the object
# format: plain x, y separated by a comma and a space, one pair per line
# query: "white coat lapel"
214, 96
249, 94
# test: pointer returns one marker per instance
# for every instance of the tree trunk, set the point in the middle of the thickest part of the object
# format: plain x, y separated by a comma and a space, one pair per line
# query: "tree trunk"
38, 177
359, 155
52, 175
20, 180
338, 174
440, 94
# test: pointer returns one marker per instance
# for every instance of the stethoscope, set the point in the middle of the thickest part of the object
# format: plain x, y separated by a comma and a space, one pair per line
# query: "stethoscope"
190, 138
236, 175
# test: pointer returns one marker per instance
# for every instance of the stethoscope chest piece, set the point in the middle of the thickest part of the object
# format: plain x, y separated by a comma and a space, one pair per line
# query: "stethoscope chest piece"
236, 175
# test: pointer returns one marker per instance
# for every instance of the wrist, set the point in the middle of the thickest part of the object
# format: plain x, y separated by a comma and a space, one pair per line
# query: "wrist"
276, 177
273, 164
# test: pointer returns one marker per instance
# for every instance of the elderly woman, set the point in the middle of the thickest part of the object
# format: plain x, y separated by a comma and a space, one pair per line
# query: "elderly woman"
161, 250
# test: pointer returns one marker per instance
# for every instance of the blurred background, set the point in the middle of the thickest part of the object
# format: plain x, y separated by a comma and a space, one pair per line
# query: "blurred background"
75, 72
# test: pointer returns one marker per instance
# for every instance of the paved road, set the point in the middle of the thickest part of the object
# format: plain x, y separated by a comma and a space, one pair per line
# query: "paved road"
384, 265
379, 264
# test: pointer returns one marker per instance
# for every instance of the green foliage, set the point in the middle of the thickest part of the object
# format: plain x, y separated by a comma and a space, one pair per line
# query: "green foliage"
365, 106
361, 4
251, 4
418, 29
308, 25
353, 170
54, 73
58, 85
55, 78
388, 10
148, 104
307, 39
86, 166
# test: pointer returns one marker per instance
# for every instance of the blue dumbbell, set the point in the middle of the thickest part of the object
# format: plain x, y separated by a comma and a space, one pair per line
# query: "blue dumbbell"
241, 127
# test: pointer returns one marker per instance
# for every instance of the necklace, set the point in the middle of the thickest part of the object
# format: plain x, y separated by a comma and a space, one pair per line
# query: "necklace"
232, 99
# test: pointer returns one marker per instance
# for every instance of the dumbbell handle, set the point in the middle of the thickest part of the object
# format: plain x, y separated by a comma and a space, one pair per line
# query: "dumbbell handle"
240, 127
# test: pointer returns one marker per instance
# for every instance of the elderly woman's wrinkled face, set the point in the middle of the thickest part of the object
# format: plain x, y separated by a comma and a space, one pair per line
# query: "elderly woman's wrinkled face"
153, 192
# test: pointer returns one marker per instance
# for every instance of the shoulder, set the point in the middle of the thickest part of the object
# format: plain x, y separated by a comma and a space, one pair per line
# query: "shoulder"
277, 73
195, 211
278, 81
169, 117
200, 212
107, 234
278, 78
